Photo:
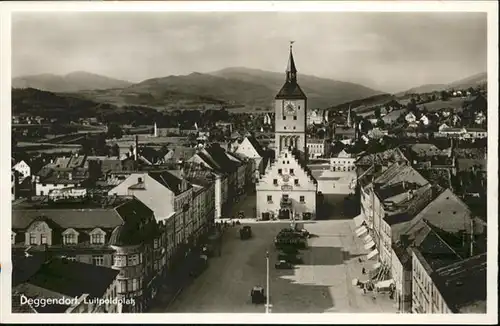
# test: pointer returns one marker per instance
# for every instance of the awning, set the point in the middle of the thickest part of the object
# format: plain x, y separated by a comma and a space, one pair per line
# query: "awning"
384, 284
372, 254
376, 265
358, 220
361, 231
369, 245
368, 238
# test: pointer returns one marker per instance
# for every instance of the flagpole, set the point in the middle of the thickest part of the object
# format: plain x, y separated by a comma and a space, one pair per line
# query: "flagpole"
267, 282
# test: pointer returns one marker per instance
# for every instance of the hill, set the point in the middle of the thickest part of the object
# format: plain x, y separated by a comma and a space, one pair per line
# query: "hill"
34, 102
250, 88
471, 81
72, 82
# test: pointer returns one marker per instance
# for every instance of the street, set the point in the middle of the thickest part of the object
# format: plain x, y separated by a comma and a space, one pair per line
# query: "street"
322, 284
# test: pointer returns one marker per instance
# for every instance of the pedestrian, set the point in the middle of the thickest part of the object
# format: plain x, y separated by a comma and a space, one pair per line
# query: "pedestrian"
364, 290
363, 271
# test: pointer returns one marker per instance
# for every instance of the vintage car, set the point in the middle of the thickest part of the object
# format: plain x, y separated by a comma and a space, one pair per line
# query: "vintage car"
257, 294
282, 264
292, 259
245, 232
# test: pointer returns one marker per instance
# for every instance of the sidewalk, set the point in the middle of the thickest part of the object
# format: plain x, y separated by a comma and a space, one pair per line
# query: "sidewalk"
175, 281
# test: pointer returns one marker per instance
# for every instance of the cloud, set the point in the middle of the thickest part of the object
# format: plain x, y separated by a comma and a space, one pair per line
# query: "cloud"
389, 51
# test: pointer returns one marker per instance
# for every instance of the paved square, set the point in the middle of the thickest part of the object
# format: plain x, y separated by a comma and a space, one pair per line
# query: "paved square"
322, 284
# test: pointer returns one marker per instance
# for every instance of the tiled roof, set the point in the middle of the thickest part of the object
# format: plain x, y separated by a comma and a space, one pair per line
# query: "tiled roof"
78, 214
291, 90
384, 158
65, 278
463, 285
258, 147
398, 173
447, 212
168, 180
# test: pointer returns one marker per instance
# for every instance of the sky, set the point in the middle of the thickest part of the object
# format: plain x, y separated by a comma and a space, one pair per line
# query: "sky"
386, 51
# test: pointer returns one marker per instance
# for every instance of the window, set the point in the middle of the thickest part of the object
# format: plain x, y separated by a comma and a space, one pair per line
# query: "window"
98, 260
33, 239
302, 199
119, 260
135, 284
294, 127
294, 117
286, 155
13, 238
284, 128
284, 117
155, 244
269, 199
43, 239
287, 162
279, 170
296, 182
133, 260
291, 171
69, 238
275, 182
97, 238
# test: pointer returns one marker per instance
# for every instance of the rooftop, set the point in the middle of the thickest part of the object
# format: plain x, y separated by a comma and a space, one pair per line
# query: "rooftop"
60, 277
463, 285
384, 158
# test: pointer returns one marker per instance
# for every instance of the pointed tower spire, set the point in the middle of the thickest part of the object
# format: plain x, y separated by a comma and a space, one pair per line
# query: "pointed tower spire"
291, 70
349, 118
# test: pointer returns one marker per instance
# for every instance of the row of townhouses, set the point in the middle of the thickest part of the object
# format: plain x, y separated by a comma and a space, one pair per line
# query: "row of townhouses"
424, 240
139, 222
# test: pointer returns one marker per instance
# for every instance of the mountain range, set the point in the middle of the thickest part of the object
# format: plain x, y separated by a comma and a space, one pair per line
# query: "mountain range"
471, 81
231, 86
236, 86
72, 82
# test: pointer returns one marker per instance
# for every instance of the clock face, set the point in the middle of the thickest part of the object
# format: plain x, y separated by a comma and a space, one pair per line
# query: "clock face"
290, 108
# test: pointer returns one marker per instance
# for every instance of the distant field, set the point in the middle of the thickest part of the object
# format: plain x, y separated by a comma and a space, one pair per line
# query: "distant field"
454, 103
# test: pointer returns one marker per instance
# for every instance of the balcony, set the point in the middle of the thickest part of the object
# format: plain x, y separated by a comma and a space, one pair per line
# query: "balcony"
285, 203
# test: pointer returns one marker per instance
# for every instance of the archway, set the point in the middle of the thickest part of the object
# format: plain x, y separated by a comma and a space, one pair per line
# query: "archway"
284, 214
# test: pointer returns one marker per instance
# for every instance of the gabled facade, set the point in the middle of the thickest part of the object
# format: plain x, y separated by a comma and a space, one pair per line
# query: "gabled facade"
286, 190
24, 170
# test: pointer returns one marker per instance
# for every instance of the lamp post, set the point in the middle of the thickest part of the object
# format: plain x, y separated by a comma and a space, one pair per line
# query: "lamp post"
267, 282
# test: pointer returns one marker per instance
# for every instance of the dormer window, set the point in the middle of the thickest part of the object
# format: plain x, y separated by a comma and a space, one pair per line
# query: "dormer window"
70, 237
97, 236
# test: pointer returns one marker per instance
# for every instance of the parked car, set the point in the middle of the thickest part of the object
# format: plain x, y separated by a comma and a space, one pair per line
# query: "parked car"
200, 264
282, 264
257, 294
245, 232
292, 259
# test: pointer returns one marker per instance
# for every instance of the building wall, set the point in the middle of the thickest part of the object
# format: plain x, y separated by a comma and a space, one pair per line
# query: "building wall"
315, 149
290, 125
385, 242
156, 196
24, 170
43, 189
279, 180
403, 281
425, 297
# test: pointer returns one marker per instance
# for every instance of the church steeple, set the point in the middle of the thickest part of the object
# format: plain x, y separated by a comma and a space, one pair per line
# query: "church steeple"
291, 70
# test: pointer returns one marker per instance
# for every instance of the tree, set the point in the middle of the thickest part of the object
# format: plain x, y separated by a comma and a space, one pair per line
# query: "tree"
444, 95
377, 113
115, 150
114, 131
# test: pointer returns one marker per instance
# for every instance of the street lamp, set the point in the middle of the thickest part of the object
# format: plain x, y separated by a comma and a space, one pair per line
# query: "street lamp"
267, 282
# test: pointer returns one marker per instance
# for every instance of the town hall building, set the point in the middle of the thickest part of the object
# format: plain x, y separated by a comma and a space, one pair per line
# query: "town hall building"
288, 189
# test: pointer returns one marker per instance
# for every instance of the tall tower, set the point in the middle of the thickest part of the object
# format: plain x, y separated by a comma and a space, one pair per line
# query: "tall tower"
349, 118
290, 106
